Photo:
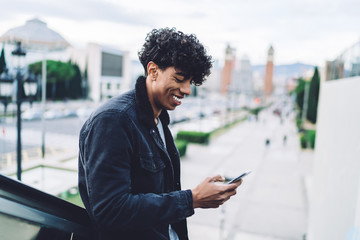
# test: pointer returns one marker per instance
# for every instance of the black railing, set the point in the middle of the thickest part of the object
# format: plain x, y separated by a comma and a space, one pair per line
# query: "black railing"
27, 213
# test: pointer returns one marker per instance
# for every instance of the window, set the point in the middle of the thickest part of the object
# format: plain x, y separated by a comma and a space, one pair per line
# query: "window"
111, 65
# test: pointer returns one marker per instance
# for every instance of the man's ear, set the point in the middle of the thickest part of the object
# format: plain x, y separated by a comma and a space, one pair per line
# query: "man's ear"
152, 69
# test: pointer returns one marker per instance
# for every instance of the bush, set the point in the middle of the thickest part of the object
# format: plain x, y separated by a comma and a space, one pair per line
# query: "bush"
303, 142
256, 111
299, 123
181, 146
311, 135
194, 137
307, 139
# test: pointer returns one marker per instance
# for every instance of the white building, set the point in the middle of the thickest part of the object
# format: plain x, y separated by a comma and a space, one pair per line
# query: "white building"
334, 211
212, 83
37, 39
242, 79
108, 70
335, 187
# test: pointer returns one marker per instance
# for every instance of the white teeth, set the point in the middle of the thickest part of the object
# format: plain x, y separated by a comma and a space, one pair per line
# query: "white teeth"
176, 98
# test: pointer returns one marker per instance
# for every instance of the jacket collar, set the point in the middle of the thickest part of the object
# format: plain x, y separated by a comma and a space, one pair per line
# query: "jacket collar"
143, 106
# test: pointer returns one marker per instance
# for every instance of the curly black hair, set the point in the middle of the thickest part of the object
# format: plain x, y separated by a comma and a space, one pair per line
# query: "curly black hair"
168, 47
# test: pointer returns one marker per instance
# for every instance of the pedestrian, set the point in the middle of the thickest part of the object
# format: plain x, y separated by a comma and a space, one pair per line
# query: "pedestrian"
129, 166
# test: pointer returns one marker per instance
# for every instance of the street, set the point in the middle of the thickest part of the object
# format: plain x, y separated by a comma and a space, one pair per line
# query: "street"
61, 136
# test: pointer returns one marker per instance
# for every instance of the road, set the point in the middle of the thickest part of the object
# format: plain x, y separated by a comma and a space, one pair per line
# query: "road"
61, 137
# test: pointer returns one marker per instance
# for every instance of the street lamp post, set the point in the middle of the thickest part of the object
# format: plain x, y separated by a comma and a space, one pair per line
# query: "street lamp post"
24, 89
6, 86
18, 53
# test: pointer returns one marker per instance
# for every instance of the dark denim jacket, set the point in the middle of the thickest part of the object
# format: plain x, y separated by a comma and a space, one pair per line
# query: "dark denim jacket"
128, 181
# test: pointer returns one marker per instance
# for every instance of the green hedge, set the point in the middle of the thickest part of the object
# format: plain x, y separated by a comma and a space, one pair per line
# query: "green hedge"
194, 137
311, 135
181, 146
257, 110
303, 141
307, 139
299, 123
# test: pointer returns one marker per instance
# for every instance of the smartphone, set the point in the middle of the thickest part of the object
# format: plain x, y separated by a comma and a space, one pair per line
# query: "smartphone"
239, 177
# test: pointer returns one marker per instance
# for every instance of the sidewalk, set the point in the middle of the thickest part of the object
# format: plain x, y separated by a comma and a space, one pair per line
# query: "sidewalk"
271, 204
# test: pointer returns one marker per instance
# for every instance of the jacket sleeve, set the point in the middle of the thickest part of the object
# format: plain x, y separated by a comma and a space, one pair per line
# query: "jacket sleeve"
108, 147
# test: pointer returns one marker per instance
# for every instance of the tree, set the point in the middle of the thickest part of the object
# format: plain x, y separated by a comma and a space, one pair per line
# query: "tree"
2, 61
58, 75
300, 92
85, 84
313, 97
75, 88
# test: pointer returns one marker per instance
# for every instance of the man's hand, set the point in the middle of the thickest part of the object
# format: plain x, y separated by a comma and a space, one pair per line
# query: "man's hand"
211, 195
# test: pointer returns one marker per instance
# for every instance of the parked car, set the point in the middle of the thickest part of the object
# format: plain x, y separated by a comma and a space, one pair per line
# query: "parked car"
69, 113
31, 114
53, 114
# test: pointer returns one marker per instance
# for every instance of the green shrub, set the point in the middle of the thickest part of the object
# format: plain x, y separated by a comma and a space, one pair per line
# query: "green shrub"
303, 141
181, 146
311, 135
194, 137
299, 123
307, 139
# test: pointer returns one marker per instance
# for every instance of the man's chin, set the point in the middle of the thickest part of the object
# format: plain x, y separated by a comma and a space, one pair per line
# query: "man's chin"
171, 108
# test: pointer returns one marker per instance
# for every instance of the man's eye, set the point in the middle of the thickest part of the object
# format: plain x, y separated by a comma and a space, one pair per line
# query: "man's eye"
178, 80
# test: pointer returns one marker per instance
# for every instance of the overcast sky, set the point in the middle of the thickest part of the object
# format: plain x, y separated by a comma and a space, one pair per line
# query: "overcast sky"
308, 31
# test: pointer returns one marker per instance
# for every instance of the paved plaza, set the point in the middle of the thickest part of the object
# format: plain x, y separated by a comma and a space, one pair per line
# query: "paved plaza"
272, 202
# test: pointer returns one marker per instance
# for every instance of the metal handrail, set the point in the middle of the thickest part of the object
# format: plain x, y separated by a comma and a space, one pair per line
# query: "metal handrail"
27, 203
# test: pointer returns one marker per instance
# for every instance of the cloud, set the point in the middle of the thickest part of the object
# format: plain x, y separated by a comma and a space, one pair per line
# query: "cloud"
79, 10
301, 29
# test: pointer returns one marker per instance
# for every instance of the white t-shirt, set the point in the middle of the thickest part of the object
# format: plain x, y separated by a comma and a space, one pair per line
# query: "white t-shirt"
173, 235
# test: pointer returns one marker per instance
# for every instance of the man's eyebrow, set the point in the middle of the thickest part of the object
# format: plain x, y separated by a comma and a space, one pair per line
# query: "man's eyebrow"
180, 73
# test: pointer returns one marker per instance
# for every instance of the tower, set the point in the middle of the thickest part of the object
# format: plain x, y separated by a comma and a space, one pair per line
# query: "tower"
227, 70
269, 72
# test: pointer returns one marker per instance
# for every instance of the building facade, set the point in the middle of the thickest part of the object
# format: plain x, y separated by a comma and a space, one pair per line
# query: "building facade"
347, 64
107, 70
242, 81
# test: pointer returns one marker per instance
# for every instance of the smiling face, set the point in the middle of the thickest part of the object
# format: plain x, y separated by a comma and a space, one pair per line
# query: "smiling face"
166, 88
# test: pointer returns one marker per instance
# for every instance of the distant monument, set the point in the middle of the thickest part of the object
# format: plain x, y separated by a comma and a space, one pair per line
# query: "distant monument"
269, 73
227, 70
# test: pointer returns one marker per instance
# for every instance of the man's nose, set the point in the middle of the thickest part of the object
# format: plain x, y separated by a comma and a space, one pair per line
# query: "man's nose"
186, 88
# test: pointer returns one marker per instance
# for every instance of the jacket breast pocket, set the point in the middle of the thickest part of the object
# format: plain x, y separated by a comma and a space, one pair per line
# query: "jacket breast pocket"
151, 178
152, 164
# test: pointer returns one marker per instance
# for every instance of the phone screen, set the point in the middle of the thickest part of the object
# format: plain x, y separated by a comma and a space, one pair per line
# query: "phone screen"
239, 177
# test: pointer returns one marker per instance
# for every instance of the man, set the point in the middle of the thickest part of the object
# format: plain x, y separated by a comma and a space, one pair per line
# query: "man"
129, 167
